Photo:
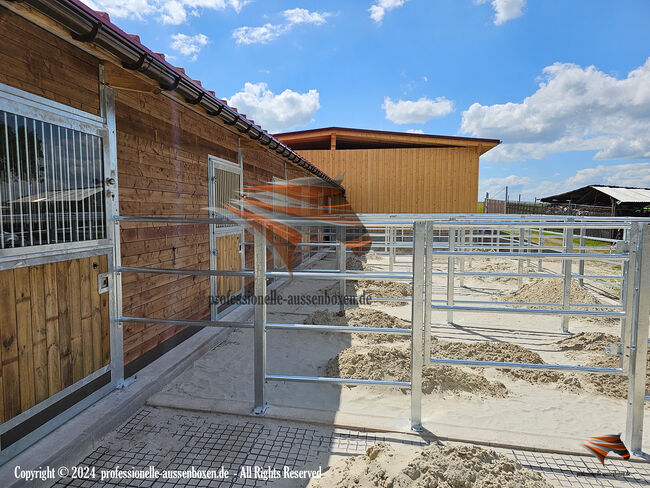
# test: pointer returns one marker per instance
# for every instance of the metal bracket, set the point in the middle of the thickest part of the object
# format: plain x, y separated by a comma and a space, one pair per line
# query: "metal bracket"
615, 350
262, 410
622, 247
102, 283
214, 300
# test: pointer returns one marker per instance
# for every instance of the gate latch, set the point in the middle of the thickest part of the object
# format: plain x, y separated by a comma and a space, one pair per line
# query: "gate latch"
614, 350
102, 283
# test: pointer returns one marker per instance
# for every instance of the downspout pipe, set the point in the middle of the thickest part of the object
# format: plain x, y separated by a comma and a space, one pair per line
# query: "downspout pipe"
86, 25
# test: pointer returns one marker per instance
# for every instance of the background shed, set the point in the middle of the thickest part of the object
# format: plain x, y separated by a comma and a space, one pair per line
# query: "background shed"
623, 200
390, 172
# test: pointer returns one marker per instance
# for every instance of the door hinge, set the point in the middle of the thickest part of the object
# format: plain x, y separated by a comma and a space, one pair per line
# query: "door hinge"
615, 349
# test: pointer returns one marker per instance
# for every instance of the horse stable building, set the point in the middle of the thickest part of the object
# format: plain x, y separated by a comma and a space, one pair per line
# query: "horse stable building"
94, 125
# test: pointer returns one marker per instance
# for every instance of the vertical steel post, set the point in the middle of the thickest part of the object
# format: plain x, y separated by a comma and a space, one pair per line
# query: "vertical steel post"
391, 249
567, 266
630, 237
116, 340
540, 246
428, 290
520, 261
450, 274
417, 310
461, 259
259, 321
341, 263
581, 264
638, 349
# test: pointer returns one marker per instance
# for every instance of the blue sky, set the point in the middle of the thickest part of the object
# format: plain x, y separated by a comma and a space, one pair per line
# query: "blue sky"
564, 83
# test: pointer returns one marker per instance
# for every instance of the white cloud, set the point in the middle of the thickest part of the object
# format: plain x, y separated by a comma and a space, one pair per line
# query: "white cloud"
304, 16
573, 109
167, 11
189, 45
418, 111
273, 112
505, 10
269, 32
415, 131
380, 7
258, 35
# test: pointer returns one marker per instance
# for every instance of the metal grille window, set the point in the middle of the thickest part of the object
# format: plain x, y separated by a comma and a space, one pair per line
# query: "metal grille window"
51, 183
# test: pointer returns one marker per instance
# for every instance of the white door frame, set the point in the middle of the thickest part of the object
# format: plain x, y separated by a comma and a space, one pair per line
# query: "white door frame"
215, 163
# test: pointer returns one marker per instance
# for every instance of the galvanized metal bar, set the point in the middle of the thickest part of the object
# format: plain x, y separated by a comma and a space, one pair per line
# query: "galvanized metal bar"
417, 324
548, 367
461, 259
54, 186
341, 263
9, 189
391, 249
428, 290
341, 381
259, 333
188, 323
450, 274
567, 266
190, 272
520, 262
581, 264
638, 350
109, 148
523, 255
66, 214
20, 183
533, 311
29, 185
338, 328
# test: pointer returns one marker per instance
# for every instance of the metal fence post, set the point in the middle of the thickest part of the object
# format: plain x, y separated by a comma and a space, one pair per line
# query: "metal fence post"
581, 264
341, 264
638, 349
450, 274
540, 245
428, 290
520, 262
107, 101
259, 333
417, 302
391, 249
567, 265
461, 259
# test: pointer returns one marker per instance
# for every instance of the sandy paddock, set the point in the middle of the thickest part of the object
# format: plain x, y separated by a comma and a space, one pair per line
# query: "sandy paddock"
552, 410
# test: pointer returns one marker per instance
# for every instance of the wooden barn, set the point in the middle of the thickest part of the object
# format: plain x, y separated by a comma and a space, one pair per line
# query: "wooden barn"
397, 172
93, 125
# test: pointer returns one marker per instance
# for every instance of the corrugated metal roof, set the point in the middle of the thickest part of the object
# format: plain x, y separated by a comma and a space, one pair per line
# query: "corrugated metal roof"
626, 195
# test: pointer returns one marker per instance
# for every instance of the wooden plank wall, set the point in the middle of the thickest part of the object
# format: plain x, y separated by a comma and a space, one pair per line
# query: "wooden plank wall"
418, 180
37, 61
163, 150
54, 329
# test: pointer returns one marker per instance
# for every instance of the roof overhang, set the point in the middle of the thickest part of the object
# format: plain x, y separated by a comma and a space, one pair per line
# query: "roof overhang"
84, 26
319, 138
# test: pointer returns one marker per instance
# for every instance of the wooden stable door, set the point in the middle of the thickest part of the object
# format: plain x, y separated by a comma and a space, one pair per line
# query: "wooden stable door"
54, 330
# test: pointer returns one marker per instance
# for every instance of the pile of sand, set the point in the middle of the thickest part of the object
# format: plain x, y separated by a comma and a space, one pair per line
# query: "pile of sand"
386, 289
504, 352
587, 341
393, 363
548, 290
432, 466
362, 317
355, 263
585, 346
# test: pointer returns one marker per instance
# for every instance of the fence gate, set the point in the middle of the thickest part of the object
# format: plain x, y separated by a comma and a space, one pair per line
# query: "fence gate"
226, 248
56, 335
